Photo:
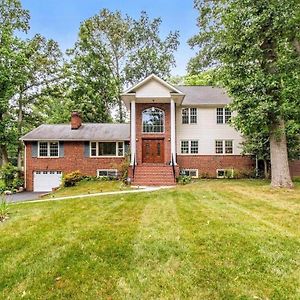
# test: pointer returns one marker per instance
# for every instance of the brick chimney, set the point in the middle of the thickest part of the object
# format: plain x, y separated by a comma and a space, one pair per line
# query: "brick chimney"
75, 120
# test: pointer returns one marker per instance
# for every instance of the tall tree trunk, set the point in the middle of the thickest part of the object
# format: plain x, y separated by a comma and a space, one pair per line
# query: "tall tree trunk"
20, 123
4, 154
280, 172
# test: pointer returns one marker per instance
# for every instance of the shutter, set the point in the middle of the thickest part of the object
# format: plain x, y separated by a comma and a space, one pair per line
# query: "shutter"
34, 149
61, 149
86, 149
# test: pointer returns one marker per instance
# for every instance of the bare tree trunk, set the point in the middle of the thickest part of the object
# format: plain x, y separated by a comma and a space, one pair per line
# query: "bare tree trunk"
280, 172
4, 154
20, 121
297, 46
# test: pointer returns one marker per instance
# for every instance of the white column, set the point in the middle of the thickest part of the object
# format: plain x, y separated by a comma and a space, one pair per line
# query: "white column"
132, 132
173, 131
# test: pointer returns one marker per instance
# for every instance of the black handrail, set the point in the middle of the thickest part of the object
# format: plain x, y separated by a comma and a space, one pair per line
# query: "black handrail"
173, 167
133, 167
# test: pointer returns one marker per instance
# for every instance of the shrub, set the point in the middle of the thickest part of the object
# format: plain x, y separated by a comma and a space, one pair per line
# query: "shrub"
228, 173
8, 174
3, 209
183, 179
2, 186
72, 178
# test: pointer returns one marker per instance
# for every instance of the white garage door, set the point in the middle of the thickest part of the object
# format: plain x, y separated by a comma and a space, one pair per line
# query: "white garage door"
45, 181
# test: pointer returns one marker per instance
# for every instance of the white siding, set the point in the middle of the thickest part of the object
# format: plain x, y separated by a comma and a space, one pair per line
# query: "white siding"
152, 89
206, 131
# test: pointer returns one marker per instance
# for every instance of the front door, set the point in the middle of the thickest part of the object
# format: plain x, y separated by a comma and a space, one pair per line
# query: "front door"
153, 151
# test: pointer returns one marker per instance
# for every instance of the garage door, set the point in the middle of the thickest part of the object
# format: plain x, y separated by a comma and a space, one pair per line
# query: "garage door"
45, 181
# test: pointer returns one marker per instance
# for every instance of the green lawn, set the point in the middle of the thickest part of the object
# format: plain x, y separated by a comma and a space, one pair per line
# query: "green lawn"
207, 240
89, 187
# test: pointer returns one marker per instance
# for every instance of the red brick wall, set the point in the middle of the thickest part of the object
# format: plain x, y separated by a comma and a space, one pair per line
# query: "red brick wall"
73, 160
208, 164
295, 167
140, 135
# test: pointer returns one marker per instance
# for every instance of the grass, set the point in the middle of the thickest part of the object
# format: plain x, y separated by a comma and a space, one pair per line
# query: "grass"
89, 187
208, 240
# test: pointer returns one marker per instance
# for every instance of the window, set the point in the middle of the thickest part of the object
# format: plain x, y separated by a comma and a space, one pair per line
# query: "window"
189, 172
194, 147
184, 147
219, 147
153, 120
112, 173
224, 146
223, 115
228, 147
189, 147
98, 149
48, 149
107, 149
220, 173
189, 115
228, 173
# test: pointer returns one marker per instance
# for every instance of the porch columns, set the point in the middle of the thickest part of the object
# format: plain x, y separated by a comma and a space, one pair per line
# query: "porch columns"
173, 131
132, 133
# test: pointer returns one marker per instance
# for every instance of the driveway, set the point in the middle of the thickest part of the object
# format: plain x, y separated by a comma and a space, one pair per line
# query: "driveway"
24, 196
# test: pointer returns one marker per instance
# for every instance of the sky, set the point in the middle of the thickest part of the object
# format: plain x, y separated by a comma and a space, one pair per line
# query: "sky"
60, 20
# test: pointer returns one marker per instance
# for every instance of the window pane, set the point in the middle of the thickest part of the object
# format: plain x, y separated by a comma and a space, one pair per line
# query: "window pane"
219, 147
185, 116
54, 149
153, 120
43, 149
93, 149
102, 173
228, 146
107, 149
112, 173
120, 148
227, 115
220, 115
194, 147
193, 115
184, 147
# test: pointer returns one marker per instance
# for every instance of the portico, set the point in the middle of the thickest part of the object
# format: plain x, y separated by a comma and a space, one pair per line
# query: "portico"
152, 105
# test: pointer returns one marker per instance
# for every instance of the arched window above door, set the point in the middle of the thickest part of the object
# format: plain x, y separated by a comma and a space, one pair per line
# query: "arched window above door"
153, 120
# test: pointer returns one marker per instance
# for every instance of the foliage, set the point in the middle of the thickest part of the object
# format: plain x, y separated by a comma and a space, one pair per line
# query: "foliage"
113, 51
2, 186
72, 178
254, 46
183, 179
4, 210
9, 174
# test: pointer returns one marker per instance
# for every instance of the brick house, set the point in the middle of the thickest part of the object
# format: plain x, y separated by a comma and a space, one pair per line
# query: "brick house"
172, 129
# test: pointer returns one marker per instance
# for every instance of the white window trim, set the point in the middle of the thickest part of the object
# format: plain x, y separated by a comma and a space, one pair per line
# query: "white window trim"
223, 115
197, 173
189, 142
106, 170
107, 156
189, 116
48, 149
223, 145
224, 170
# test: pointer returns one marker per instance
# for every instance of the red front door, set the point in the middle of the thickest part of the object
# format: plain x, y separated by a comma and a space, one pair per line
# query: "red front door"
153, 151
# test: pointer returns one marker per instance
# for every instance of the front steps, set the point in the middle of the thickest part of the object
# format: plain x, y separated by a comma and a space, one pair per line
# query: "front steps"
155, 175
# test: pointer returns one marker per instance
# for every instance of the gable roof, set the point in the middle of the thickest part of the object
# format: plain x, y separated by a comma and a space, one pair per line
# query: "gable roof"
152, 77
207, 95
86, 132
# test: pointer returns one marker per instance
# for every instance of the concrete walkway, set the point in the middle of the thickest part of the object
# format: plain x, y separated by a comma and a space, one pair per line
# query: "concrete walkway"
139, 190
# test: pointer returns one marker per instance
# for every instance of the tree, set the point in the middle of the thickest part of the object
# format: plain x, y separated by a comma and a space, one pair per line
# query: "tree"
254, 44
28, 67
129, 49
12, 17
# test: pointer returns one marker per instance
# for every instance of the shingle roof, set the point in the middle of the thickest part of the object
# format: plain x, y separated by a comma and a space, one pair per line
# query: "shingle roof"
87, 132
195, 95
